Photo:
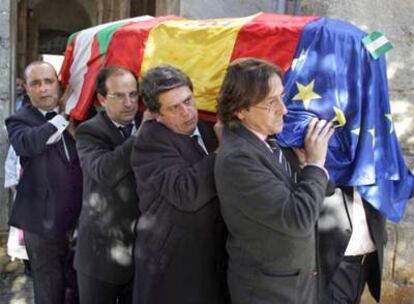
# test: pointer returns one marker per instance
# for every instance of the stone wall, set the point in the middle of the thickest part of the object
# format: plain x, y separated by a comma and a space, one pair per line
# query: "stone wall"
394, 18
229, 8
4, 102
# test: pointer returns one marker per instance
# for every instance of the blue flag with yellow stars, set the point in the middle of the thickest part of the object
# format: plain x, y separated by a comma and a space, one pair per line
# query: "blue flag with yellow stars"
334, 77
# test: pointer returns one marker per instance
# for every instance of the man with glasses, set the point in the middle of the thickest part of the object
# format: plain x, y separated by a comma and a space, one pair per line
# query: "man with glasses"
110, 205
179, 253
270, 206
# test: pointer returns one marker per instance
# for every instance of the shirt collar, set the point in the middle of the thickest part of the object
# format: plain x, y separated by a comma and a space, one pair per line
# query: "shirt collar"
118, 125
196, 132
56, 109
260, 136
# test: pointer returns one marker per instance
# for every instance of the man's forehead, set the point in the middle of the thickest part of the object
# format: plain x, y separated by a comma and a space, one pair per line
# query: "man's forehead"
41, 71
121, 79
176, 95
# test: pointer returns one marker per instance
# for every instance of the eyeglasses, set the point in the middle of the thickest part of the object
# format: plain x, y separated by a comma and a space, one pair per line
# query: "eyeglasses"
124, 96
269, 108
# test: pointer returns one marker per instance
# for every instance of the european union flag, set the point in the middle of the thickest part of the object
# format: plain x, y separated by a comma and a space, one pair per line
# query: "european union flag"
334, 77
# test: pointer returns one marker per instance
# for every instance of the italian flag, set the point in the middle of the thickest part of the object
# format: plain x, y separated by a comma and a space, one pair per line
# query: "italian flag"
201, 48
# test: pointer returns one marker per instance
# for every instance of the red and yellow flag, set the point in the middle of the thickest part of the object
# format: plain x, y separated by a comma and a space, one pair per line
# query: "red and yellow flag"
201, 48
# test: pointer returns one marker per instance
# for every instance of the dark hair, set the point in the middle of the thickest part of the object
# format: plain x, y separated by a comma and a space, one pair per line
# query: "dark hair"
158, 80
246, 83
105, 73
36, 63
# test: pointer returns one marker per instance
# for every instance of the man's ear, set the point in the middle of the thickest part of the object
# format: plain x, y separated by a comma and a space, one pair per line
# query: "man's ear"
157, 116
240, 114
102, 99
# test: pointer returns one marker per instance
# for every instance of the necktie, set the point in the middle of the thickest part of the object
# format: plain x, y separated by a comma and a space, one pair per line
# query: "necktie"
126, 130
279, 154
197, 143
50, 115
195, 138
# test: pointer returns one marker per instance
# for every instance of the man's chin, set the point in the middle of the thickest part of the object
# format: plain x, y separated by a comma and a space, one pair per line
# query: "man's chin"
46, 107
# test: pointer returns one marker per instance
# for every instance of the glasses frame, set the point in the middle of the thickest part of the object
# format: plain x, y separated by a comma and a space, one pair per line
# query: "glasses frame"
125, 96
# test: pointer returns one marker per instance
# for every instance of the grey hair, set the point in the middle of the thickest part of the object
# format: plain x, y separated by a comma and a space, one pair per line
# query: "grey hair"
158, 80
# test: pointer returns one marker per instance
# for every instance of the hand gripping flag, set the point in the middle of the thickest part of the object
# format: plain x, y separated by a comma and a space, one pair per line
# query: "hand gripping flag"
330, 74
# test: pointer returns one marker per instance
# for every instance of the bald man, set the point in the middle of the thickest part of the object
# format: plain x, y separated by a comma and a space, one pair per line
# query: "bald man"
49, 193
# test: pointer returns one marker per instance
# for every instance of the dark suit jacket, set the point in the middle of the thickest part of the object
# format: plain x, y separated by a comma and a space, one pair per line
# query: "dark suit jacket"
271, 222
49, 192
335, 229
110, 204
180, 255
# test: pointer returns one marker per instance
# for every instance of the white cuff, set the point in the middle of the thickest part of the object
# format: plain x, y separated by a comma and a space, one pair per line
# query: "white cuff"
60, 124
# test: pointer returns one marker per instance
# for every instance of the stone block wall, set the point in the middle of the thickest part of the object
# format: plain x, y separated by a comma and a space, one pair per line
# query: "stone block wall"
4, 103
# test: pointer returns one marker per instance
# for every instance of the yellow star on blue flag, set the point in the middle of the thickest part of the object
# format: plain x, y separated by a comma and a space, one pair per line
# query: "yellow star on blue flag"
306, 93
339, 118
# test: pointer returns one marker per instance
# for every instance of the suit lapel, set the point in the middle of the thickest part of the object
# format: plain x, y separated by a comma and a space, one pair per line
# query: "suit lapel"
257, 143
113, 130
37, 115
293, 162
208, 135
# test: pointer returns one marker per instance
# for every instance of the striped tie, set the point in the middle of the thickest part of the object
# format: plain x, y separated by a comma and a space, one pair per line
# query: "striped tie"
279, 154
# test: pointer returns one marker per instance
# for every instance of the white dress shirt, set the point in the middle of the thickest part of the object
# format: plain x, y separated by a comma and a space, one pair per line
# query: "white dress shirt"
11, 169
59, 122
361, 241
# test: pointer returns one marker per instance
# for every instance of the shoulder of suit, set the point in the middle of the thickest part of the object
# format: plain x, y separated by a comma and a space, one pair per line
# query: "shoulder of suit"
155, 132
27, 113
98, 121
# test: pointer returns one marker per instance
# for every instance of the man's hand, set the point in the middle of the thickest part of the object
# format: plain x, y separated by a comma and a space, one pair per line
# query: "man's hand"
316, 141
147, 115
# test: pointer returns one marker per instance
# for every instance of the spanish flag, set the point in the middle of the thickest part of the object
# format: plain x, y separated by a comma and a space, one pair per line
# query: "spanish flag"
201, 48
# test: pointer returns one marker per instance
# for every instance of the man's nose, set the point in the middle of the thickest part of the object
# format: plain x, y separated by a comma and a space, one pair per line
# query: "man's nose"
185, 110
283, 109
128, 101
43, 87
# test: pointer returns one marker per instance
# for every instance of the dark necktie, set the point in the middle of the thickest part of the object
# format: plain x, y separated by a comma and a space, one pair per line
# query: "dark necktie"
279, 154
197, 143
126, 130
50, 115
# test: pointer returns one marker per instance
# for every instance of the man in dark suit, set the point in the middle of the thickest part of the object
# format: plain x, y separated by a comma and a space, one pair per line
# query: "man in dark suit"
48, 199
110, 205
269, 210
352, 237
179, 251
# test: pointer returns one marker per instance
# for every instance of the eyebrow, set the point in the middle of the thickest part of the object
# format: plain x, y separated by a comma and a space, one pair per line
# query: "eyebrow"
180, 102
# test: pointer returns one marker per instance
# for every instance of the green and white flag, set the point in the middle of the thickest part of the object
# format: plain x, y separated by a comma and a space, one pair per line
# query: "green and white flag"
377, 44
